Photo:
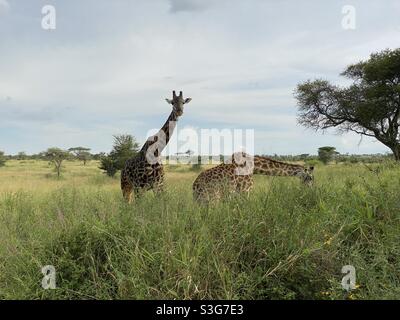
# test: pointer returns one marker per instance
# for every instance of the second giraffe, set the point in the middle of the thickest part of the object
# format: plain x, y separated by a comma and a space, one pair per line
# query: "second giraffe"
230, 178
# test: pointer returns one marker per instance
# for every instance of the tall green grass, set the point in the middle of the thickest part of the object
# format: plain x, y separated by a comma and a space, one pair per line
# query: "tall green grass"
285, 242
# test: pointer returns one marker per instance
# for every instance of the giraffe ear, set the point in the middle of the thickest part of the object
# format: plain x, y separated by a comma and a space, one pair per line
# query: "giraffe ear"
168, 101
188, 100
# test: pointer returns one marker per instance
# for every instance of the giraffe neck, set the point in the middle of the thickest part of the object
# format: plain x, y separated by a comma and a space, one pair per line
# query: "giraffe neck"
270, 167
166, 131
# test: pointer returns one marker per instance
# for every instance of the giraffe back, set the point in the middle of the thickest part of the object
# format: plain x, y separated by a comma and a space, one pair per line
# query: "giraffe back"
214, 183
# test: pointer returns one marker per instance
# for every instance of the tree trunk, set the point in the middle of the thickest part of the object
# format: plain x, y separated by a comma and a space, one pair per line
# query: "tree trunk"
396, 151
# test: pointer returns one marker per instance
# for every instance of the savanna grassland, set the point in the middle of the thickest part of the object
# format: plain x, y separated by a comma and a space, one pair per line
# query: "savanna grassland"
286, 241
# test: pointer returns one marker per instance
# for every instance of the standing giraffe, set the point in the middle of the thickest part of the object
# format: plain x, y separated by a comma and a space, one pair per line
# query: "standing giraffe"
145, 171
213, 183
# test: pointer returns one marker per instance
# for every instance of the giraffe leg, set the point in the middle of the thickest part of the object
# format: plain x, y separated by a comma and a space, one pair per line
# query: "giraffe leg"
158, 188
127, 192
126, 188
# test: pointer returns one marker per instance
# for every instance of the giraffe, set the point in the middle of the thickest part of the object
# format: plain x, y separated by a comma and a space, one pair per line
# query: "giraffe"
237, 176
145, 171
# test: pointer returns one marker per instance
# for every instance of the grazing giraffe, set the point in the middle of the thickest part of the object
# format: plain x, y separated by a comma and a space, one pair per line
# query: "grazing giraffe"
237, 177
145, 171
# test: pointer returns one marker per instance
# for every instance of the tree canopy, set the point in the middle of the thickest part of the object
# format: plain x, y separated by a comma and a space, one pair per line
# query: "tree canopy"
326, 154
56, 156
81, 153
370, 106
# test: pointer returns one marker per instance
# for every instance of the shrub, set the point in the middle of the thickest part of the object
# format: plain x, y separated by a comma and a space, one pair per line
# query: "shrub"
109, 165
2, 159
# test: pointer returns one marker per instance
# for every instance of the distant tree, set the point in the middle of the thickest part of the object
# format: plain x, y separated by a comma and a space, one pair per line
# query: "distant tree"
303, 156
81, 153
98, 156
22, 155
370, 106
56, 156
42, 155
197, 166
109, 165
326, 154
35, 156
2, 159
353, 159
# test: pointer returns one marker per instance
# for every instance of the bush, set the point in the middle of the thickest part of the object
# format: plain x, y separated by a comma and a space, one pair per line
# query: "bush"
125, 147
2, 159
109, 165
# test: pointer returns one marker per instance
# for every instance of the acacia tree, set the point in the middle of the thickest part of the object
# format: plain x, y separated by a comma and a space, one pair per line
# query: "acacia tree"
326, 154
370, 106
81, 153
56, 156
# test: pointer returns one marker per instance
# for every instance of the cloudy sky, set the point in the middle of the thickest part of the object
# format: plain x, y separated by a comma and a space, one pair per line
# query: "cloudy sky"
108, 66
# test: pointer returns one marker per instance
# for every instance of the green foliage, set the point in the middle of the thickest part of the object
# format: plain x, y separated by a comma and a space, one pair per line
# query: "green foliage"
56, 156
2, 159
22, 155
109, 165
81, 154
326, 154
353, 159
304, 156
98, 156
369, 106
125, 147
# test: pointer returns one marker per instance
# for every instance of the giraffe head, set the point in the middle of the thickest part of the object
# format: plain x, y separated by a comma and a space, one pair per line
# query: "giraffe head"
307, 176
178, 102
